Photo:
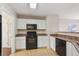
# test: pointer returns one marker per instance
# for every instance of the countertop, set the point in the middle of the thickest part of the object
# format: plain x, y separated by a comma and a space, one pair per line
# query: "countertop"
38, 34
23, 32
72, 37
68, 36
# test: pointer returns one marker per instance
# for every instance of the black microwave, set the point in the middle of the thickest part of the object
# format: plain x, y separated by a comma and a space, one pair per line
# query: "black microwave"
31, 26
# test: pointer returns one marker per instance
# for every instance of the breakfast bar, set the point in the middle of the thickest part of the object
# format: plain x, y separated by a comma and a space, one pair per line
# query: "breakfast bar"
72, 37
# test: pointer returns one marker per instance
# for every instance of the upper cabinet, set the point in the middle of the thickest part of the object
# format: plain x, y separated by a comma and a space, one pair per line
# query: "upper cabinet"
21, 23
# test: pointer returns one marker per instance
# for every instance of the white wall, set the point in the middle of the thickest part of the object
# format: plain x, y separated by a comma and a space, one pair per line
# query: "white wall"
64, 24
0, 8
8, 27
52, 26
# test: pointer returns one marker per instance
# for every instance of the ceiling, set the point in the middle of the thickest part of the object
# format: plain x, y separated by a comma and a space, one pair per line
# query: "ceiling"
44, 9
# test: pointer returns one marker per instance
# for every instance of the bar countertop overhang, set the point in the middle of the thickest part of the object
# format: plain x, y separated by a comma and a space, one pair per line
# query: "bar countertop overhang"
72, 37
67, 36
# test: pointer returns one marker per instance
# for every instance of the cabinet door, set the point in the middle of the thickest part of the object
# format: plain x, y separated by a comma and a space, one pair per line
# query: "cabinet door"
43, 41
20, 43
75, 52
71, 50
52, 43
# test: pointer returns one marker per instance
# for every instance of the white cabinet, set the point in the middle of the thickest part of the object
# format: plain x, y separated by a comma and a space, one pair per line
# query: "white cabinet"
52, 43
20, 43
75, 52
71, 50
21, 23
41, 24
43, 41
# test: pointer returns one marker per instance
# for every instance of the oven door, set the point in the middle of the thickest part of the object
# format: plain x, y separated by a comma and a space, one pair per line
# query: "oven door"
31, 40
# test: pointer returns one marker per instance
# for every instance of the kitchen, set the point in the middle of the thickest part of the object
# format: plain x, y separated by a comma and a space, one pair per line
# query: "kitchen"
50, 27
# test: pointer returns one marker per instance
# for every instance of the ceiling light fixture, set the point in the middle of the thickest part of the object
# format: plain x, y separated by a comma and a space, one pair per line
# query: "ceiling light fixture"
33, 5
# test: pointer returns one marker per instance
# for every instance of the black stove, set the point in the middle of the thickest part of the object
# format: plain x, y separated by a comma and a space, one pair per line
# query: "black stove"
31, 37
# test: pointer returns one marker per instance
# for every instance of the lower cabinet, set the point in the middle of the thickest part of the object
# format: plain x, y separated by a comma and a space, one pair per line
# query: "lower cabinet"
52, 43
20, 43
42, 41
71, 50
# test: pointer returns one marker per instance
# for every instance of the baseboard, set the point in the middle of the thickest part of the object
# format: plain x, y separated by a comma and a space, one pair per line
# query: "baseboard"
41, 47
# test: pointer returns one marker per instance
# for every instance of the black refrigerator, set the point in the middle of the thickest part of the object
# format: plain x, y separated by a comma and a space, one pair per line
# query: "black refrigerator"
0, 34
